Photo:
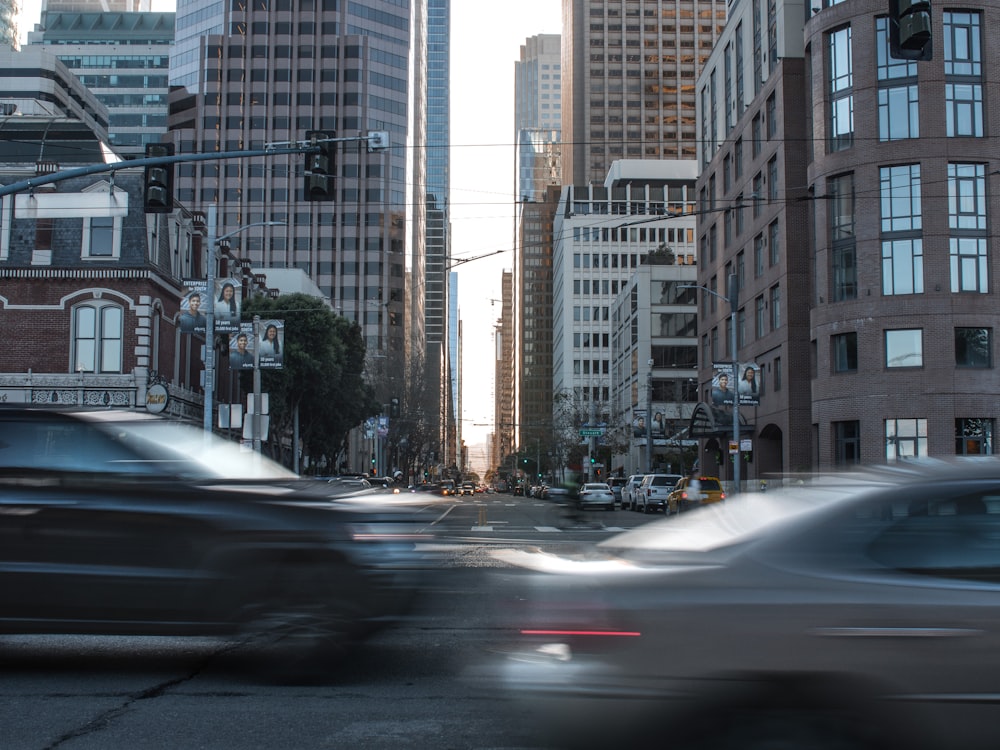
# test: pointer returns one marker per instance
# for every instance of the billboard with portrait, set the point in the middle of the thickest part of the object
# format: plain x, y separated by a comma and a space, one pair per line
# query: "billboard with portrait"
193, 305
241, 348
226, 305
272, 344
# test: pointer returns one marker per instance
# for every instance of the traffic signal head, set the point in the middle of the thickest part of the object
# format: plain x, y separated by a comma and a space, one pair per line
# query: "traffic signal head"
910, 30
158, 181
593, 460
320, 167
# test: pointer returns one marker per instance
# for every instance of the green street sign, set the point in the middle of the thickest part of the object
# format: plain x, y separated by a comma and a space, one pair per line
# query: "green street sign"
592, 432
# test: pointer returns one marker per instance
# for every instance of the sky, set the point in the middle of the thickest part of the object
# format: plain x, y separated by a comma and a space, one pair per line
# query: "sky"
486, 39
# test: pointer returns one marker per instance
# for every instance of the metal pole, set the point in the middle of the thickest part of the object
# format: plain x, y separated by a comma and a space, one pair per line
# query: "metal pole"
210, 321
649, 417
256, 384
734, 302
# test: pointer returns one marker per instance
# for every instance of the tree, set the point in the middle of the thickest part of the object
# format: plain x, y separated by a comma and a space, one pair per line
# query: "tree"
321, 379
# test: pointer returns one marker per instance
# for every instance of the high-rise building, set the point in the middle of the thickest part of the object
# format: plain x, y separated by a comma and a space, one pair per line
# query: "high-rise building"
121, 52
629, 70
537, 115
251, 76
439, 312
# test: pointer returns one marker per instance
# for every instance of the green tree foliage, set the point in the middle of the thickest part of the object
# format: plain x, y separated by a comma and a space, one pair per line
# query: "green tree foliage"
324, 359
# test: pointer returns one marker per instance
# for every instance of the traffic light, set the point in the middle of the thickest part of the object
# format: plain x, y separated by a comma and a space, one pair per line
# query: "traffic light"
158, 181
373, 464
598, 472
910, 30
394, 407
320, 166
593, 460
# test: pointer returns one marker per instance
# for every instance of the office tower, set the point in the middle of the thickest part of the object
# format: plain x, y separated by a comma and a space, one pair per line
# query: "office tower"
438, 311
537, 115
121, 52
629, 70
253, 76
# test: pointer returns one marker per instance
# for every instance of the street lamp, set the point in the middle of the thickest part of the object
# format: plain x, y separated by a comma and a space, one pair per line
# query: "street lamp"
734, 300
213, 258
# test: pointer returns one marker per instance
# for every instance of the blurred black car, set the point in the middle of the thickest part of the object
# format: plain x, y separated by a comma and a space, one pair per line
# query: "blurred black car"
116, 522
861, 611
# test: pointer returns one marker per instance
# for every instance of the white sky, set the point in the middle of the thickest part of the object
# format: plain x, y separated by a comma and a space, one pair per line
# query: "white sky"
485, 42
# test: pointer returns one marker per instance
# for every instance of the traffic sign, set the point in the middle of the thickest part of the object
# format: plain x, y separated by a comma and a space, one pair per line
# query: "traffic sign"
592, 431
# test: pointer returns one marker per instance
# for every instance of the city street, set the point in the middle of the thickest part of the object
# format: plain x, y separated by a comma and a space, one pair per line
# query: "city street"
405, 688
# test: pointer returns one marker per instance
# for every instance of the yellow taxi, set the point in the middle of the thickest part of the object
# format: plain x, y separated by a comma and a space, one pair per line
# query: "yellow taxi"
692, 492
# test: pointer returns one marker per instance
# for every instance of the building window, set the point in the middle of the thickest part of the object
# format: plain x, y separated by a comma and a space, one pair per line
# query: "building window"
898, 105
759, 247
97, 338
777, 373
902, 246
963, 74
904, 348
101, 237
841, 90
967, 225
968, 265
775, 307
847, 442
758, 187
755, 130
738, 158
845, 352
902, 267
772, 179
760, 317
973, 347
774, 242
905, 438
974, 437
772, 116
842, 237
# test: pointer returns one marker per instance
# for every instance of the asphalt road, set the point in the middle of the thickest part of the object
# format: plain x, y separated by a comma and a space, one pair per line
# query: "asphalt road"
407, 687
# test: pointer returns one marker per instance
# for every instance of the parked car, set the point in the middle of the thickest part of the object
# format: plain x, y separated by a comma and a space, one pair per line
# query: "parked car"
116, 522
654, 491
693, 492
617, 484
856, 611
596, 495
630, 491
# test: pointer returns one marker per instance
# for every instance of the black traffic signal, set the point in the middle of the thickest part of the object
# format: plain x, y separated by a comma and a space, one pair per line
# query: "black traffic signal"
320, 166
394, 407
910, 30
158, 181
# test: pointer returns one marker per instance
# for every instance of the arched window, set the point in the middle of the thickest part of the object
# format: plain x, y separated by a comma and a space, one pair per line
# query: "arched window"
97, 337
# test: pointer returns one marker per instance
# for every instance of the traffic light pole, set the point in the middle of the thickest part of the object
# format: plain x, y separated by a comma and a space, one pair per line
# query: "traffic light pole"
376, 139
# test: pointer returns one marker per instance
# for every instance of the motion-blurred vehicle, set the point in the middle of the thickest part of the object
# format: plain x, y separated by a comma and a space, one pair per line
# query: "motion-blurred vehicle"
630, 491
653, 492
467, 488
596, 495
858, 611
447, 487
115, 522
693, 492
